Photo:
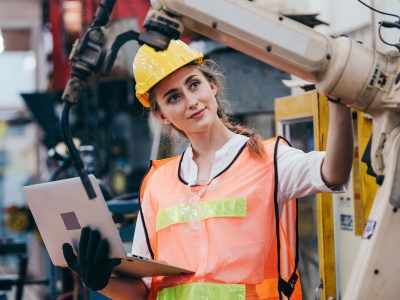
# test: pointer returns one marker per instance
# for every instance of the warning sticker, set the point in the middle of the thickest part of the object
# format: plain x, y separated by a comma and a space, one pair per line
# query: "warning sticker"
346, 222
369, 229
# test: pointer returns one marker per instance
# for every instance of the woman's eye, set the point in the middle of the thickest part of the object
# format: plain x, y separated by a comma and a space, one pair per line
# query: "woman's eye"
194, 84
173, 98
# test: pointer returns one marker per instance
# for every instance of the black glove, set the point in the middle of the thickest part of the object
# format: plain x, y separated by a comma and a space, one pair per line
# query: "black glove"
92, 264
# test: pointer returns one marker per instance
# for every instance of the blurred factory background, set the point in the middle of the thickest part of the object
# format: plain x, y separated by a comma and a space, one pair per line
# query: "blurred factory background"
116, 135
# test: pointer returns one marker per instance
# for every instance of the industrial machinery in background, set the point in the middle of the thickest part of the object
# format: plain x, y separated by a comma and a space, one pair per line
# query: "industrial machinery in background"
102, 125
346, 70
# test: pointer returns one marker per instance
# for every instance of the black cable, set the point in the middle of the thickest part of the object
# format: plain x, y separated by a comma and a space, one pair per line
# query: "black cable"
385, 24
383, 40
378, 11
73, 152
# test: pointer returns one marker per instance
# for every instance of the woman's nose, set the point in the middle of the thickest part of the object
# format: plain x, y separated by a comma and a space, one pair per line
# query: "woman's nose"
192, 101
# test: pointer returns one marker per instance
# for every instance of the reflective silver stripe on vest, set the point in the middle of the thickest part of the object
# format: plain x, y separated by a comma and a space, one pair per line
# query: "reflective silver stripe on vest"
202, 290
227, 207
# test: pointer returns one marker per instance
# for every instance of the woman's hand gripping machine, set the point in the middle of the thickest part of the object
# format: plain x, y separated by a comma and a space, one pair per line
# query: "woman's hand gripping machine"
361, 78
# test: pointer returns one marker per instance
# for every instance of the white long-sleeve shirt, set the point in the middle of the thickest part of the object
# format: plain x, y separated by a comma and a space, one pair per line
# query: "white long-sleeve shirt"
299, 175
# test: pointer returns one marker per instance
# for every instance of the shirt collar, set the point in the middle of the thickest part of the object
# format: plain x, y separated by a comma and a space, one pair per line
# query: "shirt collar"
223, 157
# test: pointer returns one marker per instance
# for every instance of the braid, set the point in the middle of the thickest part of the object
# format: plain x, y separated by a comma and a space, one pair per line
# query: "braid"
255, 142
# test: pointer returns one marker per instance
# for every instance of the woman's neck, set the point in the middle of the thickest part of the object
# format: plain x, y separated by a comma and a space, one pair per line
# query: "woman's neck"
209, 142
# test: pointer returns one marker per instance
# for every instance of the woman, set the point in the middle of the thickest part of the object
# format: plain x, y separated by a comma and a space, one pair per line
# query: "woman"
212, 209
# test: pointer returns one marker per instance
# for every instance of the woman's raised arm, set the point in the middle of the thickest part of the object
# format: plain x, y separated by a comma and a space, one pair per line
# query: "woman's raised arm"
338, 161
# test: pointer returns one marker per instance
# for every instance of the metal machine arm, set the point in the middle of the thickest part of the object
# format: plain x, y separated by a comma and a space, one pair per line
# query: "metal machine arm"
341, 68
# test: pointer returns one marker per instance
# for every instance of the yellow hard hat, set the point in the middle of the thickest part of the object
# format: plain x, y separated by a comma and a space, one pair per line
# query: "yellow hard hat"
150, 66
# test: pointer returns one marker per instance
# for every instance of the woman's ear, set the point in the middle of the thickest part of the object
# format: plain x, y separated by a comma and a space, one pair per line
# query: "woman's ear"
159, 115
214, 88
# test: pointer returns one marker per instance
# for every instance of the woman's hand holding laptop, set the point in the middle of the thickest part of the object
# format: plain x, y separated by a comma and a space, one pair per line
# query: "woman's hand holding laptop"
92, 263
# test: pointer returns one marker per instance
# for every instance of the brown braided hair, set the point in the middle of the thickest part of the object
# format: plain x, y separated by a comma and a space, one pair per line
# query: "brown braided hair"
212, 72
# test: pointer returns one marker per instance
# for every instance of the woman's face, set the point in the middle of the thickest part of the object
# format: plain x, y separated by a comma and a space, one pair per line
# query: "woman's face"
186, 99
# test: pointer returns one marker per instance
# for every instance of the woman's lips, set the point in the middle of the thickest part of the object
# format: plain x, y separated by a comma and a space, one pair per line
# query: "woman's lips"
197, 114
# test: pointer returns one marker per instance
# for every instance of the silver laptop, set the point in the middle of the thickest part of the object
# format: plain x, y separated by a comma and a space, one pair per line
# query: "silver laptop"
61, 208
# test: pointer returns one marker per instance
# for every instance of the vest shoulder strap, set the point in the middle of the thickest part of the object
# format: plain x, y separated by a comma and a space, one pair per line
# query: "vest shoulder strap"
285, 287
153, 166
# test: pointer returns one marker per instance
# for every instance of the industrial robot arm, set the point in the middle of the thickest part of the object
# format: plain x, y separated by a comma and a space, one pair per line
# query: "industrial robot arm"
341, 68
361, 78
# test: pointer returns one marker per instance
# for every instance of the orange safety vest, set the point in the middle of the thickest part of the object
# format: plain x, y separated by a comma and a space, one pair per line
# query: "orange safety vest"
225, 231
